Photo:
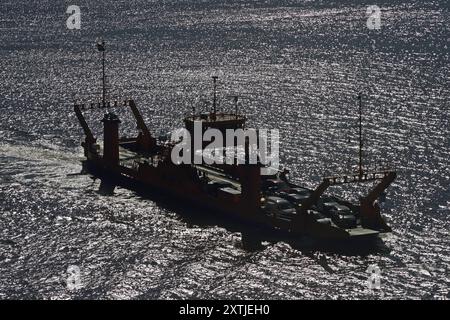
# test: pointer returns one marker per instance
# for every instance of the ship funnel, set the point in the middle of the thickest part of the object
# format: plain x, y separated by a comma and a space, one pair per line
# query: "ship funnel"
250, 179
111, 139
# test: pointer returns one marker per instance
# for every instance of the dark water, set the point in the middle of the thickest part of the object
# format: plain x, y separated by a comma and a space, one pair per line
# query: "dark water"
299, 64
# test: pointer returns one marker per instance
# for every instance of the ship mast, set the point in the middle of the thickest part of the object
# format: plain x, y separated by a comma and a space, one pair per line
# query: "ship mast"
215, 94
360, 136
101, 48
236, 98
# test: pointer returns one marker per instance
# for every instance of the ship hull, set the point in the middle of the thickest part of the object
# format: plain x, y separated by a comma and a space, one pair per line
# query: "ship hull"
253, 227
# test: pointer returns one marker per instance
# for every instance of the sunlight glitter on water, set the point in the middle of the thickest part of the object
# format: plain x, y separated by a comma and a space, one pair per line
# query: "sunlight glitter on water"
300, 65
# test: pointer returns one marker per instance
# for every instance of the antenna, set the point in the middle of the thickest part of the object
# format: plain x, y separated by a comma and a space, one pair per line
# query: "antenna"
236, 98
101, 48
215, 93
360, 135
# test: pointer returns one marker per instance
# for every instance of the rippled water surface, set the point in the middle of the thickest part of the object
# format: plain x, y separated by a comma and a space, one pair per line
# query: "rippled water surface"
299, 65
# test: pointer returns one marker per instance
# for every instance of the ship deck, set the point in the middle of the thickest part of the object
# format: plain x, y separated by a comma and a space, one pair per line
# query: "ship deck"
131, 159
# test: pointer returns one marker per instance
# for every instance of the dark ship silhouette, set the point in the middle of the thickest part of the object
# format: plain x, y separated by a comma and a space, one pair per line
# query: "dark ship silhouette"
263, 198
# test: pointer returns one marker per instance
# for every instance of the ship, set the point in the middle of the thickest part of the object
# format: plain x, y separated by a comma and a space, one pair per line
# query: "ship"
251, 193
